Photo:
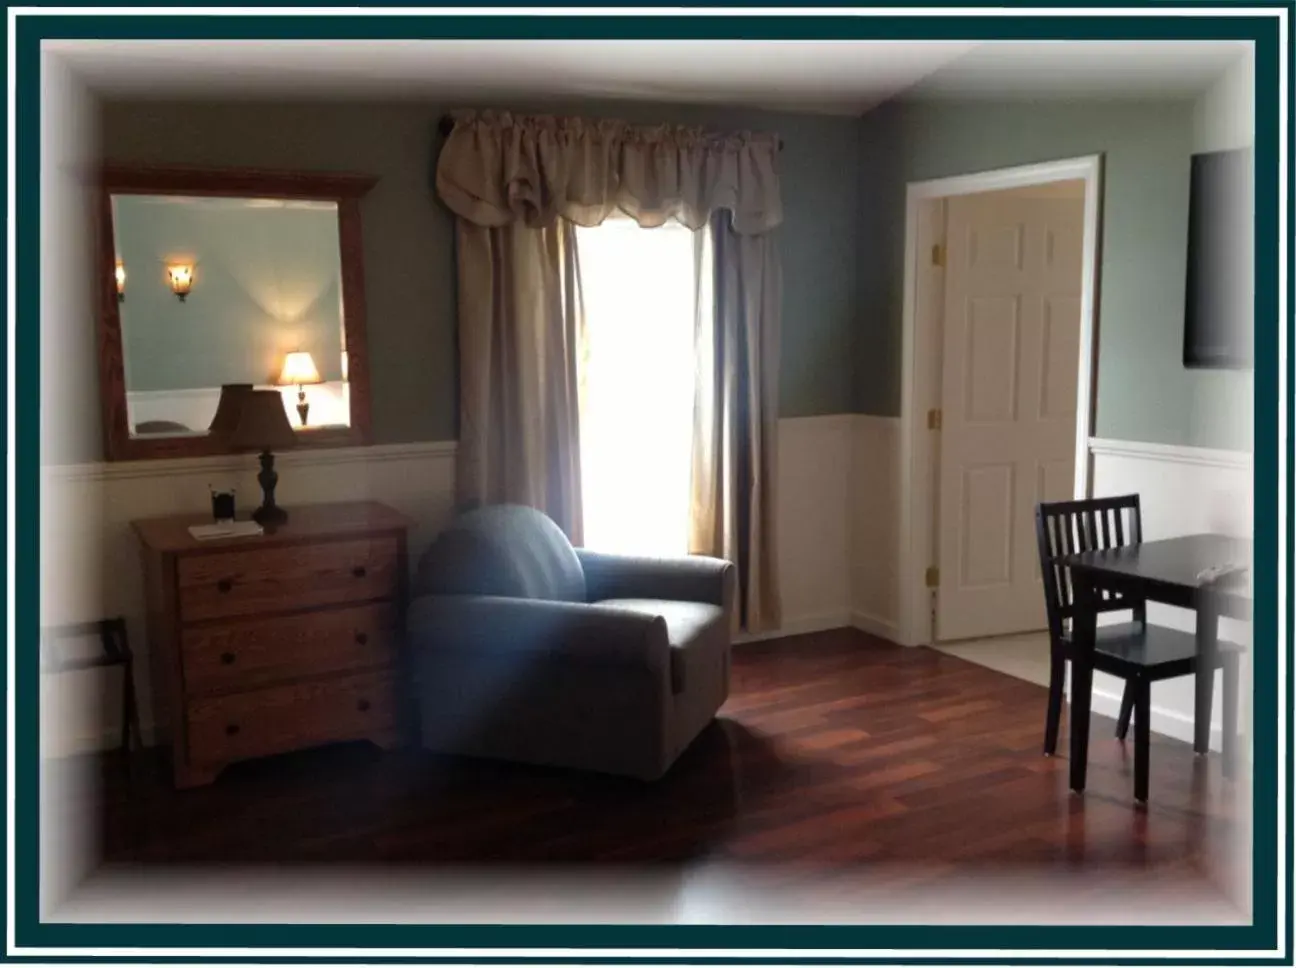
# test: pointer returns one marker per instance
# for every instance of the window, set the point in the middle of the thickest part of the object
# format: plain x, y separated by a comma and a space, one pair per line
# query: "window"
637, 377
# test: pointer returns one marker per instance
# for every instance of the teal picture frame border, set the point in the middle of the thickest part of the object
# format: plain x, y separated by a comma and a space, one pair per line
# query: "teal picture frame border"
1270, 869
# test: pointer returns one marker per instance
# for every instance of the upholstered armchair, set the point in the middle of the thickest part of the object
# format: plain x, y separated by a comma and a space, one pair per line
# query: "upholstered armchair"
527, 649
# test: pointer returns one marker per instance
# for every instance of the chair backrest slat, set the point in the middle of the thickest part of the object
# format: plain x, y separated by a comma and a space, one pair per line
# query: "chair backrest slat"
1064, 528
1062, 524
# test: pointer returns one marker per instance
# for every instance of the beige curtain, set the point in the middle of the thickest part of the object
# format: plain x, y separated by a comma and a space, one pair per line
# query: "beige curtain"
498, 168
518, 184
519, 334
735, 439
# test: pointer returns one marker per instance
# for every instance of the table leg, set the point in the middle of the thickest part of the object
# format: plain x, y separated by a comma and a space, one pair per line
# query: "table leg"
1230, 718
1083, 625
1142, 736
1207, 630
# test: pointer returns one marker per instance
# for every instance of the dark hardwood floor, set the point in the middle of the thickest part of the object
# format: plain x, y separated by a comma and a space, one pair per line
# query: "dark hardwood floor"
836, 753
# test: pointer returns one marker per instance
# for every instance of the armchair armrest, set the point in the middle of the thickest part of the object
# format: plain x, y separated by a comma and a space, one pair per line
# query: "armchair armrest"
688, 578
573, 630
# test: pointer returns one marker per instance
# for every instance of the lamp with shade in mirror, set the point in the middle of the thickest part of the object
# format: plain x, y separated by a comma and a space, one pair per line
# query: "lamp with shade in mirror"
179, 238
255, 420
298, 370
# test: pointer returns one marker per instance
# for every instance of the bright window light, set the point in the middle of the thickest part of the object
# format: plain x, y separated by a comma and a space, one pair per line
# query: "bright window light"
637, 375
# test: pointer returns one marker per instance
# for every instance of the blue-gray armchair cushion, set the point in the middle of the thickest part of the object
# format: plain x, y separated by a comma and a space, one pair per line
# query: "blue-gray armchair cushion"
505, 550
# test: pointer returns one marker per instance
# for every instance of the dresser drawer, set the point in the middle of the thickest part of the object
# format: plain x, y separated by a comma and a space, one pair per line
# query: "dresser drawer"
284, 718
255, 580
248, 653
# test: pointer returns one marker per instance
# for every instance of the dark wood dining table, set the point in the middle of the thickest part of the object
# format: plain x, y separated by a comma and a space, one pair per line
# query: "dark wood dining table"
1174, 571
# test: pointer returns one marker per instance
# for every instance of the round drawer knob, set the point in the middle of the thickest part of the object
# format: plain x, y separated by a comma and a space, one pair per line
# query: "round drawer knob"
232, 729
227, 658
358, 571
224, 585
363, 705
361, 638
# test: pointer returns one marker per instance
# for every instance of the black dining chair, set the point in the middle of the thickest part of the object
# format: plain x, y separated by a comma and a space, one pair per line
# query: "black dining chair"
1135, 651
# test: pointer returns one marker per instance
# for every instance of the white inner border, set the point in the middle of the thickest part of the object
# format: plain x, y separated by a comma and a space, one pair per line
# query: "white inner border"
1282, 912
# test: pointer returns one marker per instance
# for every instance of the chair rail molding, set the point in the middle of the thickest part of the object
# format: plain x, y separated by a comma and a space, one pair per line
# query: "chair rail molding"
1184, 490
225, 463
1174, 453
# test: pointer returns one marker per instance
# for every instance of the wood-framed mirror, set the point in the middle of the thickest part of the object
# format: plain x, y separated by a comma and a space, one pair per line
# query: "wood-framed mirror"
212, 278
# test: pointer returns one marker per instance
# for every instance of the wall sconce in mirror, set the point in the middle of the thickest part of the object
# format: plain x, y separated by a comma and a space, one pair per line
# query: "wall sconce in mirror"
299, 369
180, 275
183, 230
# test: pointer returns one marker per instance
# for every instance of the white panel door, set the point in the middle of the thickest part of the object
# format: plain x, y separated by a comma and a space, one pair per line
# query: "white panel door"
1008, 394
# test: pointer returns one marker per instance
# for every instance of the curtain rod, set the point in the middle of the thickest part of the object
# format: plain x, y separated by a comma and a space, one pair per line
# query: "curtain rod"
446, 125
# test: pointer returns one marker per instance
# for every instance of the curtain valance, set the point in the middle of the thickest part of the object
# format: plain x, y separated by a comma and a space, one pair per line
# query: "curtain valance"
498, 168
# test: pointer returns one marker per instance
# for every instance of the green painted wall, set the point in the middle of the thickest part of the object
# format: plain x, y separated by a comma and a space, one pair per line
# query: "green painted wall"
1144, 392
408, 235
842, 243
266, 283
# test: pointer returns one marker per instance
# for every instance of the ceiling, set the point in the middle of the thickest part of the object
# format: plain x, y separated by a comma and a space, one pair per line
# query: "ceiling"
831, 77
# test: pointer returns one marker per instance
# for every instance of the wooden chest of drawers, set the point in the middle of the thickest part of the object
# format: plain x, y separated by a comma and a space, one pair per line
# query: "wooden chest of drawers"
271, 643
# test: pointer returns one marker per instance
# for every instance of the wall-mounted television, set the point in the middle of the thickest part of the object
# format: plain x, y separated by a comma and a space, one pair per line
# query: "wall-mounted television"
1218, 322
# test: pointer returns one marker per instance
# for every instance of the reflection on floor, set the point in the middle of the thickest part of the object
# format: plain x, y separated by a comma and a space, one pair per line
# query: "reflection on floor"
846, 779
1023, 656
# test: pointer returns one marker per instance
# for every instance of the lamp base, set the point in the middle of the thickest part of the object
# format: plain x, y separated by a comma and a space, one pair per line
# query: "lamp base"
303, 408
269, 515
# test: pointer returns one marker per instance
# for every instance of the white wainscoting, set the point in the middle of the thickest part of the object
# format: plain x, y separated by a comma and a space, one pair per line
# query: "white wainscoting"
873, 511
90, 560
91, 567
1182, 490
839, 479
813, 543
838, 536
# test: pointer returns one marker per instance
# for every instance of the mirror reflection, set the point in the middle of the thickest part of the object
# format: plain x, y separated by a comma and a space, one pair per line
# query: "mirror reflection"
216, 291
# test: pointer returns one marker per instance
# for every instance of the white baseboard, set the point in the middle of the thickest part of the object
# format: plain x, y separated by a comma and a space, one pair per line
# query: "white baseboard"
800, 625
1167, 722
824, 621
881, 627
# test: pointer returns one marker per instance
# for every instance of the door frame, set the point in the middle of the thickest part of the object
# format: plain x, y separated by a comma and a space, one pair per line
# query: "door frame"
918, 394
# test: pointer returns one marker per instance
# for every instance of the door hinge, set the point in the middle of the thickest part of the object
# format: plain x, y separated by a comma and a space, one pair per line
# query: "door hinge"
933, 577
938, 255
933, 420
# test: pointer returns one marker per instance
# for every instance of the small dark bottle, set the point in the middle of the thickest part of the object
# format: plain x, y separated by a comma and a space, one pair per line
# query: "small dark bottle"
222, 505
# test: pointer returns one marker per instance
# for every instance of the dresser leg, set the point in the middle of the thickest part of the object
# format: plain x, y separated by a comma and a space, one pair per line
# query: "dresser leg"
189, 775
